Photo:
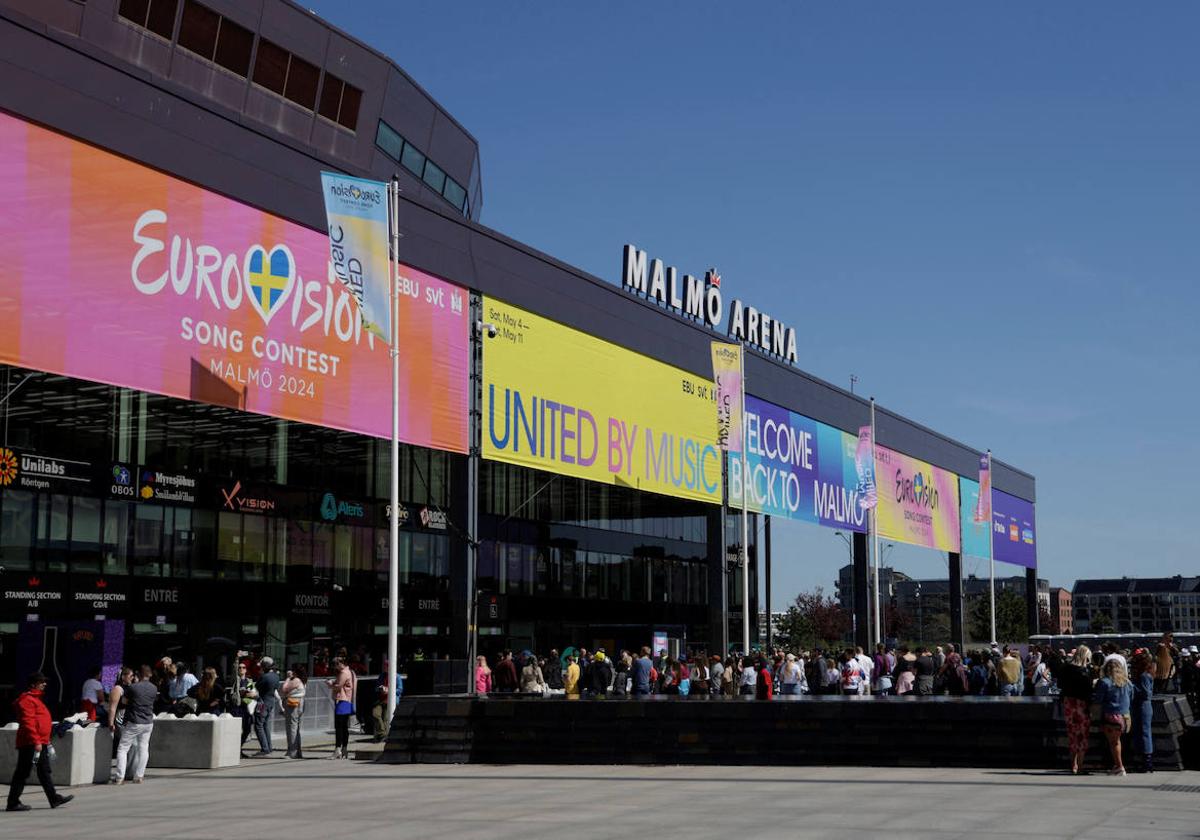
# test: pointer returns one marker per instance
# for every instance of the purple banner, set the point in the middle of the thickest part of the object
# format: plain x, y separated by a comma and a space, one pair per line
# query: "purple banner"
1013, 531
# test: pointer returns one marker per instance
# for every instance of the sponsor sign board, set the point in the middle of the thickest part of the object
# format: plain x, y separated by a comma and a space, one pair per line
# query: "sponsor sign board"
560, 400
113, 272
798, 468
45, 473
1013, 530
918, 502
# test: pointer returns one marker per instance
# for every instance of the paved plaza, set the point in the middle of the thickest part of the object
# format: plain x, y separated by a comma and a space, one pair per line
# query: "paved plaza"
359, 799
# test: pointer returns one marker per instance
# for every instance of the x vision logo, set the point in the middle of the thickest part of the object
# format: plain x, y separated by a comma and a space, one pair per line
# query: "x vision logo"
235, 501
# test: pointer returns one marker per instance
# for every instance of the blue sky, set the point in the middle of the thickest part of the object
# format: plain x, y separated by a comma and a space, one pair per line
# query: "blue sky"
1017, 187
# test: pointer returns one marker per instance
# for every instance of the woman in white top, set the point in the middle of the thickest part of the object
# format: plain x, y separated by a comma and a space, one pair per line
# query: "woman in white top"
749, 679
791, 675
92, 696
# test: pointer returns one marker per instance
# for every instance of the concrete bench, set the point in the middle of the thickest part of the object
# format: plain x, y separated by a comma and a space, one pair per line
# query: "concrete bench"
196, 742
83, 756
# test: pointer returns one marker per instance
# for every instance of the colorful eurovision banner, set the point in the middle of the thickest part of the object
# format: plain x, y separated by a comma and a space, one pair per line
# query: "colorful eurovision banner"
1013, 538
918, 502
798, 468
560, 400
356, 211
114, 272
974, 534
727, 379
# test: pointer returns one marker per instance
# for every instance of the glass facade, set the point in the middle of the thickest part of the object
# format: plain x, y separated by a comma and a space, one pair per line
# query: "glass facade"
203, 522
251, 515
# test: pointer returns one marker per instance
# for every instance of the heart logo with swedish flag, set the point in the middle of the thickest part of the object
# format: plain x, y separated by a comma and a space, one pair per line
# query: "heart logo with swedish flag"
269, 277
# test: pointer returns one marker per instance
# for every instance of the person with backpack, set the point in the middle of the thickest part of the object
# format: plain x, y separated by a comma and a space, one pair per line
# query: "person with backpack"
33, 745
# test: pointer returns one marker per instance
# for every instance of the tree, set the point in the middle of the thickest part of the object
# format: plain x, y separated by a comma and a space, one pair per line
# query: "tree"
1100, 622
1046, 621
813, 619
1012, 623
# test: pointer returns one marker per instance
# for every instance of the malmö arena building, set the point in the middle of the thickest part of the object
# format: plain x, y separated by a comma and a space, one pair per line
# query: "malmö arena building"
194, 428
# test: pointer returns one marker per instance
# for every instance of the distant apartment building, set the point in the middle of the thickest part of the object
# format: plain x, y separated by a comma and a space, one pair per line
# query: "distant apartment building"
1136, 605
1061, 617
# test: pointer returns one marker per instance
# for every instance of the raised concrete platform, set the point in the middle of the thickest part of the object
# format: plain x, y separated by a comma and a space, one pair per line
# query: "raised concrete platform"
993, 732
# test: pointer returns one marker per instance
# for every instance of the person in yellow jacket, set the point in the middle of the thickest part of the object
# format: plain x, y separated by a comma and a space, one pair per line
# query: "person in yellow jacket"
571, 677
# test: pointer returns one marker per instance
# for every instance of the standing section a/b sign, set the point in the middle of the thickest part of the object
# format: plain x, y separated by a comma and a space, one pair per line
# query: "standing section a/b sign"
560, 400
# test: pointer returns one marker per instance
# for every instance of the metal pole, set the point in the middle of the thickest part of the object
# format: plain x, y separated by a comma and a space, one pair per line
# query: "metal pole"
473, 495
875, 534
394, 508
767, 566
991, 558
745, 518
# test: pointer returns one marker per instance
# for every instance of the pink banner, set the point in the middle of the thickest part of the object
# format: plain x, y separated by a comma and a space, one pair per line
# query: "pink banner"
918, 502
114, 272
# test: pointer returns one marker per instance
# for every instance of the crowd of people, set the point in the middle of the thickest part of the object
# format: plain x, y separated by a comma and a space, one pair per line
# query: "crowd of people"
1115, 688
256, 694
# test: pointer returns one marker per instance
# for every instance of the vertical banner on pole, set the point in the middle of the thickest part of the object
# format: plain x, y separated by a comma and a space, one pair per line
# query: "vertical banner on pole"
864, 464
983, 508
356, 211
727, 377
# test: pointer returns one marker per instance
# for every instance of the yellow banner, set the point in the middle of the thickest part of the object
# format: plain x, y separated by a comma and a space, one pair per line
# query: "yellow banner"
560, 400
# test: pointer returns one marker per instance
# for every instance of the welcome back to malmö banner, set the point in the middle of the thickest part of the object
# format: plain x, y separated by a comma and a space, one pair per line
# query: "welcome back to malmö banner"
114, 272
560, 400
798, 468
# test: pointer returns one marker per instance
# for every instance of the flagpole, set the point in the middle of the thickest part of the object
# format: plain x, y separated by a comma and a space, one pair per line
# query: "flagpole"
991, 554
394, 507
875, 533
745, 516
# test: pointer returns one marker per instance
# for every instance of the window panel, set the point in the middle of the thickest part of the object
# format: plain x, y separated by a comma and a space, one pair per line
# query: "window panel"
413, 160
331, 99
234, 45
348, 113
134, 10
271, 66
434, 176
16, 528
198, 29
301, 87
161, 19
454, 193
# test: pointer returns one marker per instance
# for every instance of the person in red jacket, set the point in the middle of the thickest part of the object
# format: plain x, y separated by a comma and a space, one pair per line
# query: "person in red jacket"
764, 690
33, 742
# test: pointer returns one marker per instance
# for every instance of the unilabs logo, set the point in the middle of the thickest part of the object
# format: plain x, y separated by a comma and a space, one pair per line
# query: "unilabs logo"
8, 467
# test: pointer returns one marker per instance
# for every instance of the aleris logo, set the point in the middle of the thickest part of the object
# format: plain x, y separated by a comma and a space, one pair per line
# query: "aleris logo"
331, 508
917, 491
234, 500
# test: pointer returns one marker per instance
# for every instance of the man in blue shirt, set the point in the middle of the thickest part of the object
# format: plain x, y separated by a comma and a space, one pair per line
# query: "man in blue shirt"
641, 674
